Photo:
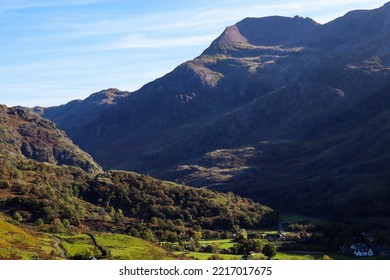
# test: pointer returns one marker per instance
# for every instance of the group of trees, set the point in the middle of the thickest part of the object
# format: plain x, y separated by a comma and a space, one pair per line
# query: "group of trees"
164, 206
136, 204
253, 246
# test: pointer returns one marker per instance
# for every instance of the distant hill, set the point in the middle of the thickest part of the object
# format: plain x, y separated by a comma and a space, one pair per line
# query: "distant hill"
286, 111
22, 132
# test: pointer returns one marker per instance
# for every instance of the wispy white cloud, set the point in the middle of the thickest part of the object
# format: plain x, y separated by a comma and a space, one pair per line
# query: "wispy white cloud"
140, 41
24, 5
207, 21
321, 10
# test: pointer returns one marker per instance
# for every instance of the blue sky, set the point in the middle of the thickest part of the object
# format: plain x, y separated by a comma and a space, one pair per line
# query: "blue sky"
54, 51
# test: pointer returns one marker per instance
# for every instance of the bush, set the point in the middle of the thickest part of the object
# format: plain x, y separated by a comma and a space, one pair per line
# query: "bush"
212, 248
259, 256
215, 258
269, 250
39, 222
326, 257
57, 226
87, 254
17, 217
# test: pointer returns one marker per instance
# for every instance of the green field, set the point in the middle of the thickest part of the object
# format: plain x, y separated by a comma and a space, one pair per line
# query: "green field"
124, 247
119, 246
261, 232
205, 256
223, 243
296, 256
78, 244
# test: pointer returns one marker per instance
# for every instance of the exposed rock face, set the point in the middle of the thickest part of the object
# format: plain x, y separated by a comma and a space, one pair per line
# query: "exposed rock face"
23, 132
285, 110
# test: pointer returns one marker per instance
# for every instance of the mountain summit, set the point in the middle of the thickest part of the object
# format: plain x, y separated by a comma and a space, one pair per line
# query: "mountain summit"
284, 110
268, 31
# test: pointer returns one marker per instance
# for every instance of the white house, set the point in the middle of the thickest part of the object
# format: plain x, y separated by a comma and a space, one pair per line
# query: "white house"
361, 250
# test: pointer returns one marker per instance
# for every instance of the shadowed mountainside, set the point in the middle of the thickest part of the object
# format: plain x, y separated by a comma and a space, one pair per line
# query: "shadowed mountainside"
284, 110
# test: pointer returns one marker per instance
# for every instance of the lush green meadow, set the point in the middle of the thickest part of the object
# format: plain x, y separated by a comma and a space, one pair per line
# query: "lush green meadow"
206, 256
126, 247
117, 246
78, 245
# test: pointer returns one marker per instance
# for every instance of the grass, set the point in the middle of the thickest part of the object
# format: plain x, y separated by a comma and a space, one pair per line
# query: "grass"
303, 256
205, 256
345, 257
223, 243
47, 244
296, 256
76, 244
124, 247
120, 246
261, 231
18, 243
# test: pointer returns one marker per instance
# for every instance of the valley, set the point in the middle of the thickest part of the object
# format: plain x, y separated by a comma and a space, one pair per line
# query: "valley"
271, 144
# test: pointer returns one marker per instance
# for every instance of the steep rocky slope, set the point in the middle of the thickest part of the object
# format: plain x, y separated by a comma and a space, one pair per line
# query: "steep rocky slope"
22, 132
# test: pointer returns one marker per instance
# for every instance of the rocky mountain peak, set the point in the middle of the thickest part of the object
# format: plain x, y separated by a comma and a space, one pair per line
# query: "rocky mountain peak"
266, 31
107, 96
275, 30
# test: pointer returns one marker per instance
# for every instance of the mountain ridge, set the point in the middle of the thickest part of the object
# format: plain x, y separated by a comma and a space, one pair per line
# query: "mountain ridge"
302, 93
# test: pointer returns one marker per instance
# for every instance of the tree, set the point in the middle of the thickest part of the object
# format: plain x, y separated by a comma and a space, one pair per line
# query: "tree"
242, 235
269, 250
39, 222
249, 245
134, 232
170, 236
118, 216
212, 248
197, 235
66, 223
17, 217
148, 234
57, 226
193, 245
